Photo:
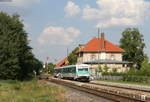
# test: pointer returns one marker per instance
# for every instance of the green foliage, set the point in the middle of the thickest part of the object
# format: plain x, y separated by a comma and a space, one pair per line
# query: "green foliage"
134, 78
132, 71
114, 70
144, 71
133, 43
72, 58
134, 75
105, 68
130, 77
16, 58
36, 65
99, 68
145, 67
51, 67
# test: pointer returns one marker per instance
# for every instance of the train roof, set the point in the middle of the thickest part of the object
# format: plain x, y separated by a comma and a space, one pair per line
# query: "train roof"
72, 66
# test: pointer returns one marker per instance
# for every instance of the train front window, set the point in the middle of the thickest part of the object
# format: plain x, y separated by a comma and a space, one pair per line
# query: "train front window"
83, 69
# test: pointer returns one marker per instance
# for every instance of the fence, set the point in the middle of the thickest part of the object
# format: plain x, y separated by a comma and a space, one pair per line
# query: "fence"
108, 77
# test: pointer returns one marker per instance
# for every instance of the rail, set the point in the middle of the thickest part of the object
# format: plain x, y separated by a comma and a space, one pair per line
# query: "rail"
119, 94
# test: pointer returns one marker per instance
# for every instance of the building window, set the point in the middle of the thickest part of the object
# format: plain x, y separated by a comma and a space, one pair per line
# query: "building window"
103, 55
124, 65
93, 57
80, 54
112, 57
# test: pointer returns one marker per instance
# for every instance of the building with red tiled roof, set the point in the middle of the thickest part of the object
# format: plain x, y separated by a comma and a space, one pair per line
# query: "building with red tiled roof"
62, 62
100, 52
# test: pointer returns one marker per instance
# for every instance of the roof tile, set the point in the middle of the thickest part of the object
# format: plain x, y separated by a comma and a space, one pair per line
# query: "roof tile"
95, 45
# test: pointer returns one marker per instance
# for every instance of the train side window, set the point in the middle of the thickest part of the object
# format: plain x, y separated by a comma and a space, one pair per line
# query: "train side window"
74, 69
71, 69
68, 70
65, 70
80, 70
62, 70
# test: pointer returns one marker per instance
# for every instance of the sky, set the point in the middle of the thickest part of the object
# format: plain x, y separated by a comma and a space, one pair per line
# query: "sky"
53, 26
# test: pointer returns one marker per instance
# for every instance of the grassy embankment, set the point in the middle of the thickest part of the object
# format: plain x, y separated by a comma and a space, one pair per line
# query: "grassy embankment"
29, 91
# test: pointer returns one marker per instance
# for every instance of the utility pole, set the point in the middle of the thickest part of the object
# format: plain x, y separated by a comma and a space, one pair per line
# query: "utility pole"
98, 33
67, 52
47, 58
99, 44
98, 50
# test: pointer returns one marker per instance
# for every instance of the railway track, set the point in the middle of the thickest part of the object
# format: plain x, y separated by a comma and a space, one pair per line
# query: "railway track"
118, 94
124, 86
142, 95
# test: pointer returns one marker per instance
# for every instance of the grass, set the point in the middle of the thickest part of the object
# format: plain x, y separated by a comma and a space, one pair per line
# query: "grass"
126, 82
29, 91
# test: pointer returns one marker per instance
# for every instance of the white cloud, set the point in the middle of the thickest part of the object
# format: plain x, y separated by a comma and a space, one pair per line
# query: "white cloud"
93, 13
58, 35
18, 6
117, 22
117, 12
20, 3
71, 9
23, 3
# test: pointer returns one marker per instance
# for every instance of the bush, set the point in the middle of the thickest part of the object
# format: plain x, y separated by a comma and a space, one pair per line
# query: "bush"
105, 68
133, 75
135, 78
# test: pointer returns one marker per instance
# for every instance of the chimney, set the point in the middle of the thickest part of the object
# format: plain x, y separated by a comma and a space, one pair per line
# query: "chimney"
103, 40
81, 46
102, 35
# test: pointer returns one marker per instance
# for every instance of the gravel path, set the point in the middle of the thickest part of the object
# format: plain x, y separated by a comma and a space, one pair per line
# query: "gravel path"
73, 95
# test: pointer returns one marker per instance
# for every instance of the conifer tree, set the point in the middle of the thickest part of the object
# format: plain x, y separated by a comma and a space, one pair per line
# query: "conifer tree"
16, 58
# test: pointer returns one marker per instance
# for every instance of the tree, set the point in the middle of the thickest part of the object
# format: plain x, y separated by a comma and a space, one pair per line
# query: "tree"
133, 43
16, 58
37, 66
145, 67
72, 58
51, 67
